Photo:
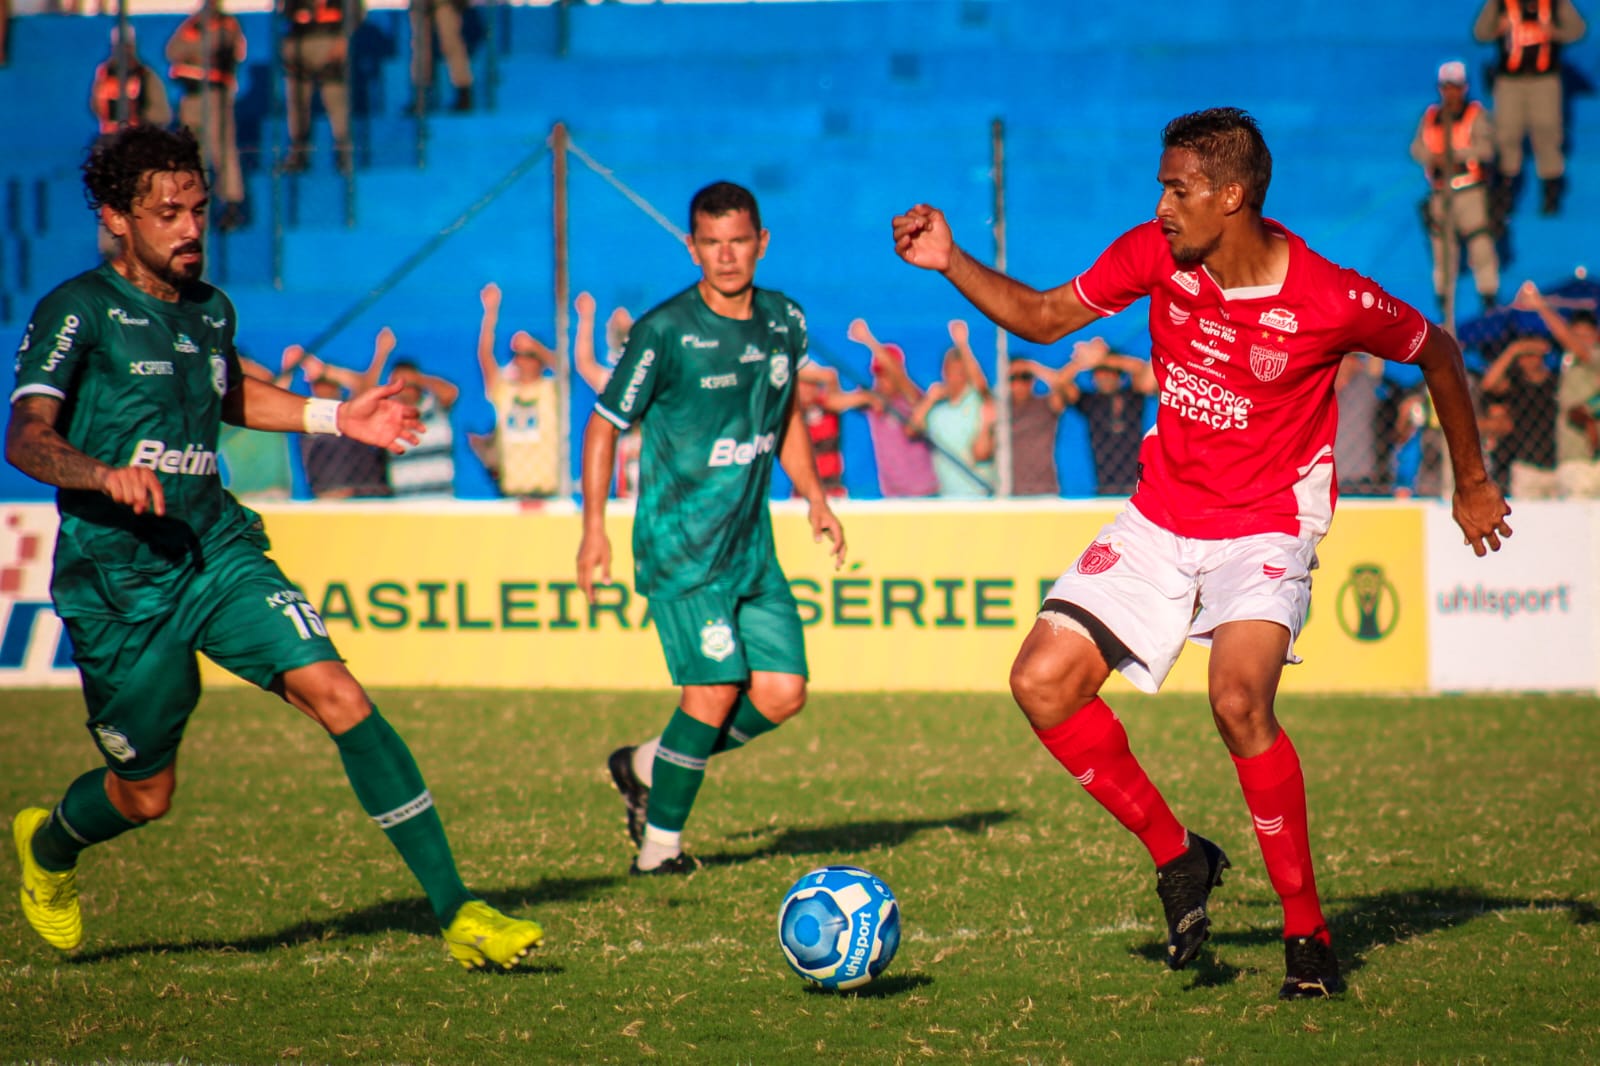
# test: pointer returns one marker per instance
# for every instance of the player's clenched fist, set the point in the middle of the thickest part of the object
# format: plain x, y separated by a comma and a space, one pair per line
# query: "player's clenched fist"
136, 487
922, 238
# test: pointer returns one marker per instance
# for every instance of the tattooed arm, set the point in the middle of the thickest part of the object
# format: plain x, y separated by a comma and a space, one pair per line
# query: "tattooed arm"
34, 447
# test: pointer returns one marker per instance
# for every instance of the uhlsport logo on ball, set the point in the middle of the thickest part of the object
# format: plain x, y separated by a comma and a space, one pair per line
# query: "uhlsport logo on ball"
839, 927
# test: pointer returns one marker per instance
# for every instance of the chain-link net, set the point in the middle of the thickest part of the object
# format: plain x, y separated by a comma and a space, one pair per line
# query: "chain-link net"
1536, 371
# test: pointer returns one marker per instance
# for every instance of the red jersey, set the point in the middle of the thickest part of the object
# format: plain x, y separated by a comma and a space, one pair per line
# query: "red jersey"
1243, 440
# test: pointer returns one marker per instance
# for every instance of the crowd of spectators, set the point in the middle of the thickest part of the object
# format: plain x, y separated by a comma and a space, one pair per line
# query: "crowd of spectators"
1538, 395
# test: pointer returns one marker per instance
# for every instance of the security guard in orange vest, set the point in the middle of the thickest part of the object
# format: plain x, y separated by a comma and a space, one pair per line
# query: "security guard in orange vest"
139, 98
315, 52
206, 51
1455, 146
1527, 86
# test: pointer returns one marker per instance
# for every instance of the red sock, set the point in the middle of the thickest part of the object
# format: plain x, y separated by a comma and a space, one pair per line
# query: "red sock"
1275, 792
1093, 746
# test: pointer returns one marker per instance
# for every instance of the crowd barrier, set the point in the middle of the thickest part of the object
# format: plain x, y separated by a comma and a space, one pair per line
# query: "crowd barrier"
934, 597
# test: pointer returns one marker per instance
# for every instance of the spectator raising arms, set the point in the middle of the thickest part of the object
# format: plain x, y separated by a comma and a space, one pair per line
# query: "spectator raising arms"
905, 463
1521, 378
427, 468
525, 457
956, 416
596, 375
341, 468
1114, 409
821, 402
1577, 433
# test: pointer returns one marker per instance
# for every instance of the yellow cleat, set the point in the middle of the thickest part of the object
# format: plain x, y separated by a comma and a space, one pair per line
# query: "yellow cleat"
49, 898
479, 935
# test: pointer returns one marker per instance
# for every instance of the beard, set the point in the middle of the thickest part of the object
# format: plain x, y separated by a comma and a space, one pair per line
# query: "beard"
165, 267
176, 273
1193, 254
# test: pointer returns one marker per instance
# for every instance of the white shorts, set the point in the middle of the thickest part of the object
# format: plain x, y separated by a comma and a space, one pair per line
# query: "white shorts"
1154, 589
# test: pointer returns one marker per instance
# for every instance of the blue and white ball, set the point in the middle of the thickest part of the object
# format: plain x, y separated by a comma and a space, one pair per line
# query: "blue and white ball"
839, 927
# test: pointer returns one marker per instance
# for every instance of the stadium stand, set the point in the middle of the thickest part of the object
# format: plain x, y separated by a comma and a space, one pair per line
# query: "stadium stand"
836, 114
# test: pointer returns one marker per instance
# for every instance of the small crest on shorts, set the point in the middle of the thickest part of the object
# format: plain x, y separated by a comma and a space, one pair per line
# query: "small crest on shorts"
716, 639
114, 743
1100, 557
1268, 363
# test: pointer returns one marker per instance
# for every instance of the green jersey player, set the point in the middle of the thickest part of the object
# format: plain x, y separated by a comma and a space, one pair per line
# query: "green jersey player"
709, 377
124, 378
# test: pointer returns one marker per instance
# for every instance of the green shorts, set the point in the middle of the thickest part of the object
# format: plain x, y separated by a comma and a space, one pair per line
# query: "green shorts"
141, 680
716, 637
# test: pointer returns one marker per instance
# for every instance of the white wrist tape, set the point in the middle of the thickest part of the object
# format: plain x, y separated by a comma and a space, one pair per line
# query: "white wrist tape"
322, 416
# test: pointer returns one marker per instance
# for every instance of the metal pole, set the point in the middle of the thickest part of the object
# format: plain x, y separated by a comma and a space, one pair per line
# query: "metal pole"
123, 112
558, 177
491, 48
208, 47
1002, 353
1452, 261
421, 37
275, 146
1451, 240
345, 155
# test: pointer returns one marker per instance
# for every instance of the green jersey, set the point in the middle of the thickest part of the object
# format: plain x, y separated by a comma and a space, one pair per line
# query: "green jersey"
712, 397
140, 382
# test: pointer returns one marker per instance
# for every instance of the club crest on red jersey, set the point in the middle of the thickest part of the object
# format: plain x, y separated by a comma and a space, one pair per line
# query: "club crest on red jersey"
1188, 281
1098, 558
1267, 363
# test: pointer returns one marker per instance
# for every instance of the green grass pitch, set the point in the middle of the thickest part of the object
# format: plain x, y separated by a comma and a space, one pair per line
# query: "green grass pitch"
266, 920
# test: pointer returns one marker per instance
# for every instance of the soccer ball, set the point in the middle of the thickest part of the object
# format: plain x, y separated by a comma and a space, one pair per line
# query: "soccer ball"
839, 927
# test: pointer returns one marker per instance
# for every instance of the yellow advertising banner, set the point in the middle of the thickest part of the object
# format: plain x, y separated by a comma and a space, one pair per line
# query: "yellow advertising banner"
933, 597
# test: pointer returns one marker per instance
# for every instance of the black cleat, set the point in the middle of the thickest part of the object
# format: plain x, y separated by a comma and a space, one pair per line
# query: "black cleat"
1184, 885
1312, 969
635, 793
680, 863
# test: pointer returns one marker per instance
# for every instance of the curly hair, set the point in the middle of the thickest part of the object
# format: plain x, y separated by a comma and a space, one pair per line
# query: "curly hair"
121, 165
1230, 147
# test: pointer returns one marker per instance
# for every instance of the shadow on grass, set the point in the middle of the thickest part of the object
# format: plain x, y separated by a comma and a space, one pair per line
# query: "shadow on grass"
882, 988
405, 916
853, 836
1363, 923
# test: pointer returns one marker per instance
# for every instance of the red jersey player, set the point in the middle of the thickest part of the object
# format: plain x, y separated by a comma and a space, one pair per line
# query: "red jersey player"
1236, 488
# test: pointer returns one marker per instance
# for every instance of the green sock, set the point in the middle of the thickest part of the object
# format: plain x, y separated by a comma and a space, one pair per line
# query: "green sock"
84, 816
744, 725
390, 787
680, 767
